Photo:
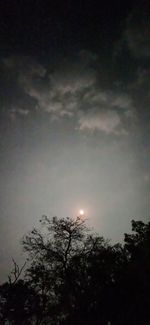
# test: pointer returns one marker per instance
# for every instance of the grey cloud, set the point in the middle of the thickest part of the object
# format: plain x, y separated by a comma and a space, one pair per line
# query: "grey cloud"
108, 112
108, 98
106, 121
71, 91
81, 97
71, 82
65, 87
14, 112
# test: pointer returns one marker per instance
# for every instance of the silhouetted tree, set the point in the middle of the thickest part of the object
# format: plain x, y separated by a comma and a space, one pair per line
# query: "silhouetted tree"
134, 280
76, 277
51, 251
18, 303
74, 273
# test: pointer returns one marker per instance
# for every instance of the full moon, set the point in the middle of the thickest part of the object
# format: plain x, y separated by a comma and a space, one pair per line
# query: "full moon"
81, 212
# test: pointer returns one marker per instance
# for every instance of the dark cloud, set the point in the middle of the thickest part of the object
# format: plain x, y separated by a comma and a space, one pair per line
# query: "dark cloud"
132, 55
137, 32
15, 71
141, 95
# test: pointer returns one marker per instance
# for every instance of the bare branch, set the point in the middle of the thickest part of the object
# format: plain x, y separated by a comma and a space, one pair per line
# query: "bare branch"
16, 272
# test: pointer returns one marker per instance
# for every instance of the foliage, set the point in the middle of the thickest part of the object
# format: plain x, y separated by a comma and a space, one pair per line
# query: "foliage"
77, 277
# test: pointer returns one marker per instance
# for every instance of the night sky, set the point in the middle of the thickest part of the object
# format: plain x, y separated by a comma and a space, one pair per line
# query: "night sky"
74, 116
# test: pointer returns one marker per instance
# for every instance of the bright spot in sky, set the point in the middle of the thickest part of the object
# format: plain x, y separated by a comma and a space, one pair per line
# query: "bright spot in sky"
81, 212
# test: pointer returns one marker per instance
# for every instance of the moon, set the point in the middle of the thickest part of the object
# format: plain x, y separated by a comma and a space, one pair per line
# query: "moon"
81, 212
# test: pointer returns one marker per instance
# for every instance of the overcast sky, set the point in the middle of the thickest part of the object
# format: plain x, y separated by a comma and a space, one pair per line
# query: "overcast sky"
74, 116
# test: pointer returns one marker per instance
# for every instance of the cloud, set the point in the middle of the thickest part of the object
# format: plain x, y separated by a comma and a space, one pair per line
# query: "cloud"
137, 32
105, 121
107, 112
15, 112
84, 100
63, 91
72, 90
24, 66
17, 74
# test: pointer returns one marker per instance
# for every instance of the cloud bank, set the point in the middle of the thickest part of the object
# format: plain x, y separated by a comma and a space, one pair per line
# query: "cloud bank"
72, 90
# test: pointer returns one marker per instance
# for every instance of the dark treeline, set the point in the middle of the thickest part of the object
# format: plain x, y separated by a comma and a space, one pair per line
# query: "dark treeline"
75, 277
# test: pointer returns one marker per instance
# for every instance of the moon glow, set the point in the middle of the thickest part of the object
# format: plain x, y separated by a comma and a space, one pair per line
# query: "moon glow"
81, 212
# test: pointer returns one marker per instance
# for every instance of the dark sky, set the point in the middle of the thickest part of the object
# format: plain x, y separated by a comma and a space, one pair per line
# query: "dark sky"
74, 115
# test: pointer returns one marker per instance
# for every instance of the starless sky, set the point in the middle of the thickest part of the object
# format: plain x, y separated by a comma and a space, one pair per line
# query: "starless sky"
74, 115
